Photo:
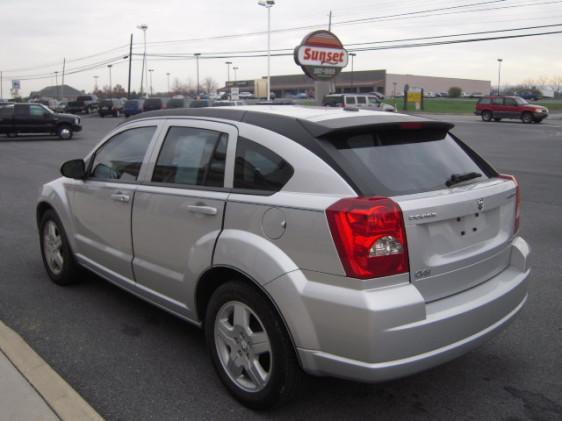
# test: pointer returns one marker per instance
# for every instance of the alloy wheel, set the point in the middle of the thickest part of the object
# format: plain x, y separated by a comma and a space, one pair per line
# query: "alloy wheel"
52, 247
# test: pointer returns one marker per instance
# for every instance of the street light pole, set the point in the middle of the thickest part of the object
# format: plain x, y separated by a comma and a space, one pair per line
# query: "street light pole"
109, 66
150, 71
143, 27
197, 61
268, 4
352, 74
235, 68
228, 63
499, 74
57, 82
168, 77
96, 83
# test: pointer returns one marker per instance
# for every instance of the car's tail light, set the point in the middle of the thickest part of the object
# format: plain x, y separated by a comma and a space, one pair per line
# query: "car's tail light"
517, 200
370, 236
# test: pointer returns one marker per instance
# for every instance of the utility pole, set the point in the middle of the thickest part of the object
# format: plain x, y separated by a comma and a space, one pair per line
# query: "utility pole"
150, 71
130, 66
228, 63
197, 60
235, 68
62, 82
1, 85
330, 21
96, 83
168, 77
352, 74
268, 4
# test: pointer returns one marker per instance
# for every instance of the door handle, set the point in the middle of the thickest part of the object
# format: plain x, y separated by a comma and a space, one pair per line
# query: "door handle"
120, 197
205, 210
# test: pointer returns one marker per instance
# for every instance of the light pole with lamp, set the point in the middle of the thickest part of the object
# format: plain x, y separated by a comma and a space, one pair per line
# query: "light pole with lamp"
168, 80
150, 71
499, 74
352, 74
197, 64
268, 4
143, 27
109, 66
235, 68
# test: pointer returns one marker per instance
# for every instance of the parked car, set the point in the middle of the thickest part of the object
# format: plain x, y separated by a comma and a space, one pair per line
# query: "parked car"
360, 245
222, 103
61, 106
86, 104
18, 119
176, 103
112, 107
498, 107
200, 103
246, 95
153, 104
356, 100
132, 107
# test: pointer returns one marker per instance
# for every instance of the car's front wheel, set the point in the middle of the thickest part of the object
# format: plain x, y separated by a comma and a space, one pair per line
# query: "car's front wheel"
497, 119
64, 132
527, 118
55, 250
250, 348
487, 115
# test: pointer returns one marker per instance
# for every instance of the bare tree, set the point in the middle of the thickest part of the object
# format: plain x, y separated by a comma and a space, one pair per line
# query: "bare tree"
556, 84
210, 84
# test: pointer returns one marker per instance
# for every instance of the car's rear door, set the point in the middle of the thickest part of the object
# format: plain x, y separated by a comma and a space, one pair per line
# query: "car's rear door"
178, 210
6, 118
101, 204
498, 108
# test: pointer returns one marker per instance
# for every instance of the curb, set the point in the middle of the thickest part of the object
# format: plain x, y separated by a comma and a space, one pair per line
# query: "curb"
65, 402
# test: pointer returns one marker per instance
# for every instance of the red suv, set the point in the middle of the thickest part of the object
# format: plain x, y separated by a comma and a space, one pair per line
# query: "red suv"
498, 107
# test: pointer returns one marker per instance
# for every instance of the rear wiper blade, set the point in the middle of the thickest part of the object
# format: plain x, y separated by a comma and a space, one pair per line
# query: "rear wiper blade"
459, 178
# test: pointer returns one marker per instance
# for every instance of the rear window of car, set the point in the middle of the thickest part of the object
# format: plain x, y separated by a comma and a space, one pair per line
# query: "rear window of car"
153, 102
106, 103
393, 162
131, 103
485, 101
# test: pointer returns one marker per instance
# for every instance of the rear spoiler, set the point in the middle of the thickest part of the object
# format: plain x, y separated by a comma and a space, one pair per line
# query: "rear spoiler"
364, 124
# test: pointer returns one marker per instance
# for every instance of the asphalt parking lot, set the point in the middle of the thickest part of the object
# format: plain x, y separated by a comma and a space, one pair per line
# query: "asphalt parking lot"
132, 361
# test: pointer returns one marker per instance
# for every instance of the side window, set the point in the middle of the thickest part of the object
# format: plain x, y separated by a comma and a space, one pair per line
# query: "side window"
361, 100
511, 102
121, 157
350, 100
484, 101
497, 101
7, 112
21, 110
373, 100
258, 168
192, 156
36, 111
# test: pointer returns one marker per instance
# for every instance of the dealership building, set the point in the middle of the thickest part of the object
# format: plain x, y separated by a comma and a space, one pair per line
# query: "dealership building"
366, 81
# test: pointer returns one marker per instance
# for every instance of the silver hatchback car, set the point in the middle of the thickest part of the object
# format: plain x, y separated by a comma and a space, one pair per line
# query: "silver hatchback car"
337, 242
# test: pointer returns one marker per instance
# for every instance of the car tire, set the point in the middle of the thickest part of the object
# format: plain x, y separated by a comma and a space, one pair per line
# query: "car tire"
55, 250
117, 114
260, 374
64, 132
538, 120
527, 118
487, 116
102, 115
497, 119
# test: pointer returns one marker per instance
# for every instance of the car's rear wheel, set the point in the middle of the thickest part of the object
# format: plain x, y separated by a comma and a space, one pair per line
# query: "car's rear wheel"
487, 115
64, 132
55, 250
527, 118
250, 348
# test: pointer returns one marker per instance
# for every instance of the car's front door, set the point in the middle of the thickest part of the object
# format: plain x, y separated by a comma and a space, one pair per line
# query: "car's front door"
178, 210
512, 109
101, 204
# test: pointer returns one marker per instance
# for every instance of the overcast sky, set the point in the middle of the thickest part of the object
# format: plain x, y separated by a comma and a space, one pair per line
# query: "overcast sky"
37, 34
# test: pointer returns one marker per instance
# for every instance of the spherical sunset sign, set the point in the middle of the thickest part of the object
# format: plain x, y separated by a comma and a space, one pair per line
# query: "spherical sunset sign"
321, 55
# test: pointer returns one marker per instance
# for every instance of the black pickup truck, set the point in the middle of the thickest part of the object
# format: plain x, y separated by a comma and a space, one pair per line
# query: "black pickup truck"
86, 104
18, 119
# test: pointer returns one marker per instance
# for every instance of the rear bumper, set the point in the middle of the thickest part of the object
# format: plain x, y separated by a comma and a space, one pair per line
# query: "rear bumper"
387, 333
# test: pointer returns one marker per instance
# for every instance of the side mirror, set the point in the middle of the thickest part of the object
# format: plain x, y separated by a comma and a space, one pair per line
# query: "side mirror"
74, 168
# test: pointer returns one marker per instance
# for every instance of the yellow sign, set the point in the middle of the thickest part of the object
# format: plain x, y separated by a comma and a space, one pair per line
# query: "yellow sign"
414, 97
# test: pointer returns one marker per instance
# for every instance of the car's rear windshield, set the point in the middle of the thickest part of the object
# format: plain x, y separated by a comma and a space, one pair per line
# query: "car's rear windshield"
132, 103
153, 101
393, 162
106, 102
